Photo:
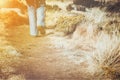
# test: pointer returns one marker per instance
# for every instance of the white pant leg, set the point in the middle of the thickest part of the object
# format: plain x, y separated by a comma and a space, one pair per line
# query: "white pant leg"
40, 16
32, 21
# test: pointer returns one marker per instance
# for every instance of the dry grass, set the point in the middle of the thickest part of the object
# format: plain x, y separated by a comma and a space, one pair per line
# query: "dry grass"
16, 77
94, 35
61, 3
111, 27
104, 60
67, 24
54, 10
9, 57
97, 37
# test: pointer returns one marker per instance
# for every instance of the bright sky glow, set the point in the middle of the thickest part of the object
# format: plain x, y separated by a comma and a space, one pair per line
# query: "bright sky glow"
3, 3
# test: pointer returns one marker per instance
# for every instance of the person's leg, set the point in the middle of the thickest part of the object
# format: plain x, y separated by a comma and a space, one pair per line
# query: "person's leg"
32, 21
40, 19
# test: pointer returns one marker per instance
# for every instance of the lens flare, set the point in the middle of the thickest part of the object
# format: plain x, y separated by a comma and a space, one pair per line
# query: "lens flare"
3, 3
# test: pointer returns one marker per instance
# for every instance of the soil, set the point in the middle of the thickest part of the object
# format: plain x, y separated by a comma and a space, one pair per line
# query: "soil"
40, 61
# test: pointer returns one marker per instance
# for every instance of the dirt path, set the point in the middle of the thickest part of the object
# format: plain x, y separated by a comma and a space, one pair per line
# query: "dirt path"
40, 61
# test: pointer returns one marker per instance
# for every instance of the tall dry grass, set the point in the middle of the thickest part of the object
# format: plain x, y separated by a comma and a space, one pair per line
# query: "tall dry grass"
97, 38
67, 24
104, 61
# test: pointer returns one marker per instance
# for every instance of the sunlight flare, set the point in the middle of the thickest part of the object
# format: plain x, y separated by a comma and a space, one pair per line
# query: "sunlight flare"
3, 3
